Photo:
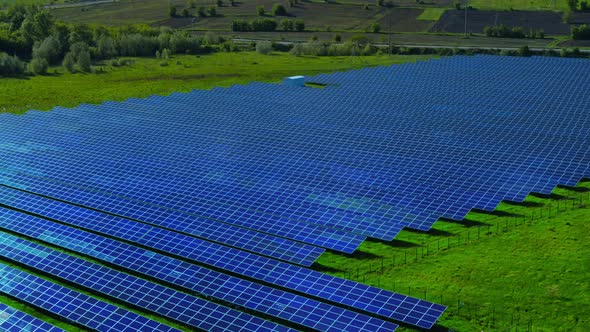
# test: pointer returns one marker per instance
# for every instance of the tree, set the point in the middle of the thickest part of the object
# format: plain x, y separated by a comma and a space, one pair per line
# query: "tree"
572, 4
292, 3
165, 54
380, 3
212, 11
264, 47
49, 49
287, 25
219, 3
191, 3
84, 63
106, 48
524, 51
375, 27
185, 12
279, 10
10, 65
264, 24
299, 25
69, 62
201, 12
240, 25
39, 66
337, 38
260, 10
172, 11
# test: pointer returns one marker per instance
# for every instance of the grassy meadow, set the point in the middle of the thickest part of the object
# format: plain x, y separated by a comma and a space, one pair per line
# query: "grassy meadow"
147, 77
500, 271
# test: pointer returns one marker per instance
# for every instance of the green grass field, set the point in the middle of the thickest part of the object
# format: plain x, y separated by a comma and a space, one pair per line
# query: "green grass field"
534, 272
183, 73
560, 5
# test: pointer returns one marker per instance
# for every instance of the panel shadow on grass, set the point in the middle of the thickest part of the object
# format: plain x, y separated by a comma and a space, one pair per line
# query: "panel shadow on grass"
553, 196
574, 189
322, 268
394, 243
465, 222
527, 204
432, 231
498, 213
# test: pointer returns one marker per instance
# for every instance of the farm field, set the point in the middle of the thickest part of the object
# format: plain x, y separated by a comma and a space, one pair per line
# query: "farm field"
183, 73
525, 264
519, 4
454, 21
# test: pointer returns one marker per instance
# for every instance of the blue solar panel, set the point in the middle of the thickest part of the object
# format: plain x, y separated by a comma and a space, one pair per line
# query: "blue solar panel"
303, 311
167, 302
403, 197
282, 249
71, 305
12, 320
377, 150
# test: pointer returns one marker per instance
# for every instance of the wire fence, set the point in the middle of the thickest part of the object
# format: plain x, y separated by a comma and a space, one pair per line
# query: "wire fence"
492, 317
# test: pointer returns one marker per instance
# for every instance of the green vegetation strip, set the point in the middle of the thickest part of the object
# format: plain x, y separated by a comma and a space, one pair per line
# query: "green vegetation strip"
524, 266
431, 14
149, 76
560, 5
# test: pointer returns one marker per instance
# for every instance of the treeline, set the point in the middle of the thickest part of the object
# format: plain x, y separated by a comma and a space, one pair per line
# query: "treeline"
267, 25
31, 33
516, 32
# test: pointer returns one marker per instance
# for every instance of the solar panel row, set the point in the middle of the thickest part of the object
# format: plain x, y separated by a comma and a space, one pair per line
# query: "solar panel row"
152, 297
12, 320
273, 302
71, 305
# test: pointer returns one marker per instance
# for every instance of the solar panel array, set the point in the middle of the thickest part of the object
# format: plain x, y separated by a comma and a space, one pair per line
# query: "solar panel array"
13, 320
222, 199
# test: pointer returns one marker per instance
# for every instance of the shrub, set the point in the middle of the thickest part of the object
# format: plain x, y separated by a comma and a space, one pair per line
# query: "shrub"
299, 25
69, 62
39, 66
84, 63
524, 51
581, 32
260, 11
212, 11
10, 65
201, 12
287, 25
279, 10
185, 12
264, 24
337, 38
240, 25
375, 27
264, 47
172, 11
48, 49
